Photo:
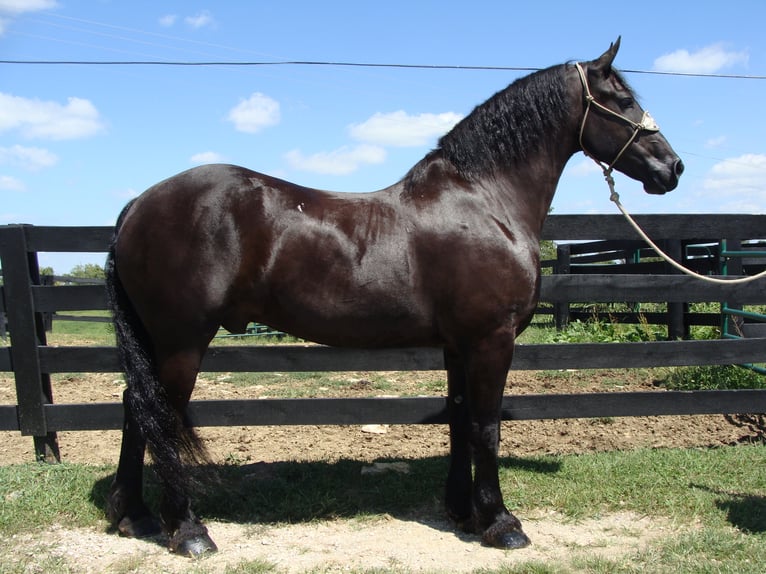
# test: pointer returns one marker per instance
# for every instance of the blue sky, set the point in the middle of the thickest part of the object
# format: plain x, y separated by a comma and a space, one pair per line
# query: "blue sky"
76, 142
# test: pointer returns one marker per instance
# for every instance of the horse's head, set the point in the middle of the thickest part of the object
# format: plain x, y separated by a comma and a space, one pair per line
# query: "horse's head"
618, 134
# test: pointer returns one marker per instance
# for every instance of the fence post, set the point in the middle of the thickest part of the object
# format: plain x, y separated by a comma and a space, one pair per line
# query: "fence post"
563, 266
33, 387
676, 324
731, 265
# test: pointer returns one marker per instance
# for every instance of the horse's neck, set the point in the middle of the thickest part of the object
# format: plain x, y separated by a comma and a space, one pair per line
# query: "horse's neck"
532, 181
526, 189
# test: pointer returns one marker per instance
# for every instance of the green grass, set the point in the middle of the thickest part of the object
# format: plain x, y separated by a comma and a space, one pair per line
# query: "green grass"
713, 377
711, 485
36, 495
715, 498
67, 332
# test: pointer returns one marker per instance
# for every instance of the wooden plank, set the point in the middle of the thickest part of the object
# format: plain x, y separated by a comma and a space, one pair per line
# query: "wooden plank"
70, 239
597, 247
319, 358
420, 410
645, 268
701, 227
79, 360
352, 411
9, 418
86, 416
638, 355
69, 298
656, 403
707, 227
590, 287
301, 358
646, 289
706, 319
748, 330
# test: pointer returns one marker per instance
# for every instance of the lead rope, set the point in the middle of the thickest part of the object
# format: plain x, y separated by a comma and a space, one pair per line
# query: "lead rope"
615, 197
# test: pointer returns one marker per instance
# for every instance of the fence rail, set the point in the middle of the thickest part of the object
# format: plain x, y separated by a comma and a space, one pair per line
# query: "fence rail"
24, 300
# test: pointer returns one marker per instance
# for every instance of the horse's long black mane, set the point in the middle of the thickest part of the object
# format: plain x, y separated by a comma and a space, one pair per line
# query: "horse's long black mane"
509, 126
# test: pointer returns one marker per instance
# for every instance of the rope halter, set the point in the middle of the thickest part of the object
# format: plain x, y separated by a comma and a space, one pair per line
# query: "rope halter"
647, 124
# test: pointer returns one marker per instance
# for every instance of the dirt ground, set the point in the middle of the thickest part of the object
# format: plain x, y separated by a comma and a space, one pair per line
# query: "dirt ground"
423, 545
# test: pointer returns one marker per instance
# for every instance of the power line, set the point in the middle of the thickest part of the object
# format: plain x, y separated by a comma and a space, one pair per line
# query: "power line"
343, 64
277, 63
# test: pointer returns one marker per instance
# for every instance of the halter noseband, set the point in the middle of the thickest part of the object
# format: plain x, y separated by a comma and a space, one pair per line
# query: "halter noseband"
646, 124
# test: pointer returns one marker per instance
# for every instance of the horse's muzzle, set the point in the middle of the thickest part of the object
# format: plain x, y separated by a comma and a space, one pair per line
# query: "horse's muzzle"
661, 184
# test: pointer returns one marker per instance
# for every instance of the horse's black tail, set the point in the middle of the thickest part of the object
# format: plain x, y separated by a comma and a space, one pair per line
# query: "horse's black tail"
159, 424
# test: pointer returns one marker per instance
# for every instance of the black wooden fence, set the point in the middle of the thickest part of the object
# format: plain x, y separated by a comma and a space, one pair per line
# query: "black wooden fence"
24, 299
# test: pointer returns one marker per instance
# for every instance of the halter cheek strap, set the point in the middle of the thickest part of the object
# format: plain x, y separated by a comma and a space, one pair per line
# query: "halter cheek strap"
647, 124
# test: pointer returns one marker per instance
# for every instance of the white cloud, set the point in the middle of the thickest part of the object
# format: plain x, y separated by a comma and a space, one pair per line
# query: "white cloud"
168, 20
34, 118
739, 183
18, 7
30, 158
207, 157
341, 161
715, 142
707, 60
584, 168
403, 130
8, 183
21, 6
200, 20
255, 113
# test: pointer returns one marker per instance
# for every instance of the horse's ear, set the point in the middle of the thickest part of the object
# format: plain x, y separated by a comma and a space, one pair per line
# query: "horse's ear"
604, 62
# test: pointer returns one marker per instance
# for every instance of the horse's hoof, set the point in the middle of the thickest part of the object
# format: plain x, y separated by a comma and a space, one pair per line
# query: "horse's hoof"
193, 547
506, 534
513, 540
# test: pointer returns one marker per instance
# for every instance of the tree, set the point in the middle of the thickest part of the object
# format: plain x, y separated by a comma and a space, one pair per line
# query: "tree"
88, 271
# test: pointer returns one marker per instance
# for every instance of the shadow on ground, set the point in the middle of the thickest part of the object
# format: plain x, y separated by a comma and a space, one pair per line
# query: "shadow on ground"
297, 492
746, 512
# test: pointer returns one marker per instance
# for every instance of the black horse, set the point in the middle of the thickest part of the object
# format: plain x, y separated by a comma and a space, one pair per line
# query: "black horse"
447, 257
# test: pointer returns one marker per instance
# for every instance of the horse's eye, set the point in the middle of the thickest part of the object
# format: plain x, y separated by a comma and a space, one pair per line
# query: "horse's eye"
626, 103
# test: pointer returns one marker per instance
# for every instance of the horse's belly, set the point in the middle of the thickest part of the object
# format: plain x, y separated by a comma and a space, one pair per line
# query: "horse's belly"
350, 332
371, 322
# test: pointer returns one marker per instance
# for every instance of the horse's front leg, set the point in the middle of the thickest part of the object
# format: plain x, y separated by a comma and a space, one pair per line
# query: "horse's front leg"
459, 479
487, 371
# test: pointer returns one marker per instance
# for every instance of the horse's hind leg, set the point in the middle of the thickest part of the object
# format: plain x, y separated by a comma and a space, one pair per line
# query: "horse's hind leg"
125, 504
177, 373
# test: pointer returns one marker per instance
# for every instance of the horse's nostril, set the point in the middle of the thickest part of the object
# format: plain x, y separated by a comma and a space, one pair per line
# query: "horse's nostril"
678, 167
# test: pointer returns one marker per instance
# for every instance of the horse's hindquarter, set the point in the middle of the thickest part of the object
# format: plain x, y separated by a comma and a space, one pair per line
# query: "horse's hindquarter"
179, 247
